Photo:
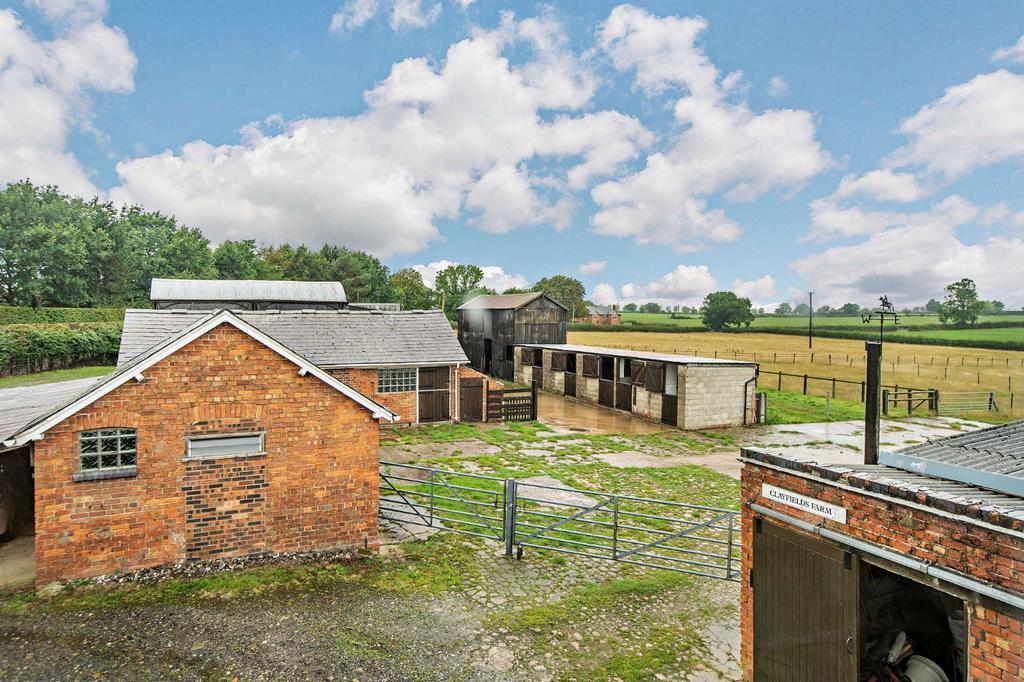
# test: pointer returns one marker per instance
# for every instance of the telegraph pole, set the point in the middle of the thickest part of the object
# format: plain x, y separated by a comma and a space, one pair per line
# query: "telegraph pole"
810, 319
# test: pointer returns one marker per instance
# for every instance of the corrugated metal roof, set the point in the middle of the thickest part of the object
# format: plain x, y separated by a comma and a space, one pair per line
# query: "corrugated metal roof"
504, 301
638, 355
23, 405
245, 290
328, 338
992, 457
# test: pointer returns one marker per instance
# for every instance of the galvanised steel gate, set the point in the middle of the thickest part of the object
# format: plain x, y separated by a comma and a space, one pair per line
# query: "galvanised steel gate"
664, 534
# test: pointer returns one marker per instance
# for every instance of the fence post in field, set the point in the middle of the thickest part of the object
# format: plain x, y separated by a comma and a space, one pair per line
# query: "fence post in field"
872, 424
935, 401
833, 387
780, 381
885, 401
805, 384
863, 388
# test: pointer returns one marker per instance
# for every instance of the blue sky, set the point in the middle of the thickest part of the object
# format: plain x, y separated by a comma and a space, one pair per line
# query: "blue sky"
656, 151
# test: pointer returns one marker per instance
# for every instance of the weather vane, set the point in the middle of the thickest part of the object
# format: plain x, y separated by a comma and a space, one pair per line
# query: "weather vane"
885, 311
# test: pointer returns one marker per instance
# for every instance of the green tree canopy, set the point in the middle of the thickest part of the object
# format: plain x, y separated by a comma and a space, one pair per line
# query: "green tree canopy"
455, 284
723, 309
410, 291
629, 308
237, 260
961, 306
849, 309
651, 307
783, 309
568, 291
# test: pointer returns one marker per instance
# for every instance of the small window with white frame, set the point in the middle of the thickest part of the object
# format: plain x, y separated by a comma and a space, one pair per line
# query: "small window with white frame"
234, 445
396, 380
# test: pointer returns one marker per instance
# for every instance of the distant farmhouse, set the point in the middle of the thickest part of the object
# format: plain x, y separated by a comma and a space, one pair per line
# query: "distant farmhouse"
243, 417
602, 315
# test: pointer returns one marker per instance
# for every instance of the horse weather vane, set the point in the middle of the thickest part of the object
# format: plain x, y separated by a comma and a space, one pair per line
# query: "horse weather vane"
885, 311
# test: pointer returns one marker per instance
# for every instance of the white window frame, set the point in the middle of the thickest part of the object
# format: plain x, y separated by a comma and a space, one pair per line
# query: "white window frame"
404, 384
261, 450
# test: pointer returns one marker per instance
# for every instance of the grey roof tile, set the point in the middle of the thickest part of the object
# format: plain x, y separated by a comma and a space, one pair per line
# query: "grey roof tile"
504, 301
328, 338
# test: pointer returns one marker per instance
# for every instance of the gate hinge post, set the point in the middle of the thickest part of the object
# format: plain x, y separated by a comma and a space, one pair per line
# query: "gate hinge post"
510, 516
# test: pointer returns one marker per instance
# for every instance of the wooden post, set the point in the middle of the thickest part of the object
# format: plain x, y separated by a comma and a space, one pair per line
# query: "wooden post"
533, 401
780, 380
872, 420
805, 384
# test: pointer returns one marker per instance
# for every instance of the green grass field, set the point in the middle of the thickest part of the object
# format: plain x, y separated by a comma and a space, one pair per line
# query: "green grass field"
768, 322
55, 375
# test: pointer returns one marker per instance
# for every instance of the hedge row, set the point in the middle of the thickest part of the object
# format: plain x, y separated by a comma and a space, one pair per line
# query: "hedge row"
10, 314
865, 334
36, 347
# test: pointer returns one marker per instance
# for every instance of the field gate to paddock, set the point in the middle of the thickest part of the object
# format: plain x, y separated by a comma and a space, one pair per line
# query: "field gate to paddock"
673, 536
512, 404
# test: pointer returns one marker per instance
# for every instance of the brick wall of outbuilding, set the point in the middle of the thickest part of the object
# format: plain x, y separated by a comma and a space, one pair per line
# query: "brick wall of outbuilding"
402, 403
314, 488
995, 641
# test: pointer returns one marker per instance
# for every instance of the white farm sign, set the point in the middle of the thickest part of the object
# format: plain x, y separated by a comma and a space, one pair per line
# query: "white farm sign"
808, 504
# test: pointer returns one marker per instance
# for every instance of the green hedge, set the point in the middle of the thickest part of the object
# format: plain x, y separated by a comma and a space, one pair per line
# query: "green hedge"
24, 315
36, 347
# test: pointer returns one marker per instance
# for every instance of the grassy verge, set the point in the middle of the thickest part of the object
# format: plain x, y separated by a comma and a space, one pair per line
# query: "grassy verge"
55, 375
785, 407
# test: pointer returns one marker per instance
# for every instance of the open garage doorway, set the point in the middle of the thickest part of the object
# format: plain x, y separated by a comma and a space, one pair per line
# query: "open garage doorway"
17, 519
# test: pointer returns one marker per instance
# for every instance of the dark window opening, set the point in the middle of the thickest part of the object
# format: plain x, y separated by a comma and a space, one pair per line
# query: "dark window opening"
607, 368
570, 363
538, 358
625, 371
930, 624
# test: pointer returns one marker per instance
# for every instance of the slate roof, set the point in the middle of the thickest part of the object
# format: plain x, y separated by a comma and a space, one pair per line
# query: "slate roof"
601, 310
327, 338
992, 457
504, 301
638, 355
245, 290
23, 405
27, 407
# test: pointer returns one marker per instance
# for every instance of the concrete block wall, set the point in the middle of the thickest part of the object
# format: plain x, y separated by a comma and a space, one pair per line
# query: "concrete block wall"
712, 395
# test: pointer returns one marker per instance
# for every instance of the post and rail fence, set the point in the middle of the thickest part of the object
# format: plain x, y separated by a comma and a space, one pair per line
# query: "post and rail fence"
664, 534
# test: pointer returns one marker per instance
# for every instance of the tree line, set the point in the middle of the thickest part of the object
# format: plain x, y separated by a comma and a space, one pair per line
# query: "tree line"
58, 250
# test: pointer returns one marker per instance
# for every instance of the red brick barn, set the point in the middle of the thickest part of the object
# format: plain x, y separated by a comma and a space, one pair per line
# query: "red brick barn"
217, 441
408, 361
913, 566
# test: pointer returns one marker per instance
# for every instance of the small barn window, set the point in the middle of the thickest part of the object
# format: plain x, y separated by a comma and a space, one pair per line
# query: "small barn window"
396, 380
100, 449
225, 446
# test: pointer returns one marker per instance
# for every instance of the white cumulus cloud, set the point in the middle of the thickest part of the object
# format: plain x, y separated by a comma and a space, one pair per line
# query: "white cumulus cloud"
603, 294
686, 285
592, 267
449, 139
724, 147
1014, 53
777, 86
974, 124
760, 289
47, 88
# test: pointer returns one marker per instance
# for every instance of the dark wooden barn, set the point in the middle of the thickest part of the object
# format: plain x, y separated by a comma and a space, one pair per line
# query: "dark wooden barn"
490, 327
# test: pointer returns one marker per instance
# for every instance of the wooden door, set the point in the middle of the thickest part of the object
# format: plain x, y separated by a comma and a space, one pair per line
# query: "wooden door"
669, 410
538, 376
570, 385
805, 607
434, 394
605, 393
471, 400
624, 397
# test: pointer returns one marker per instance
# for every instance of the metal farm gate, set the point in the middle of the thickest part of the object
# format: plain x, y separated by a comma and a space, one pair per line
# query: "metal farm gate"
664, 534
